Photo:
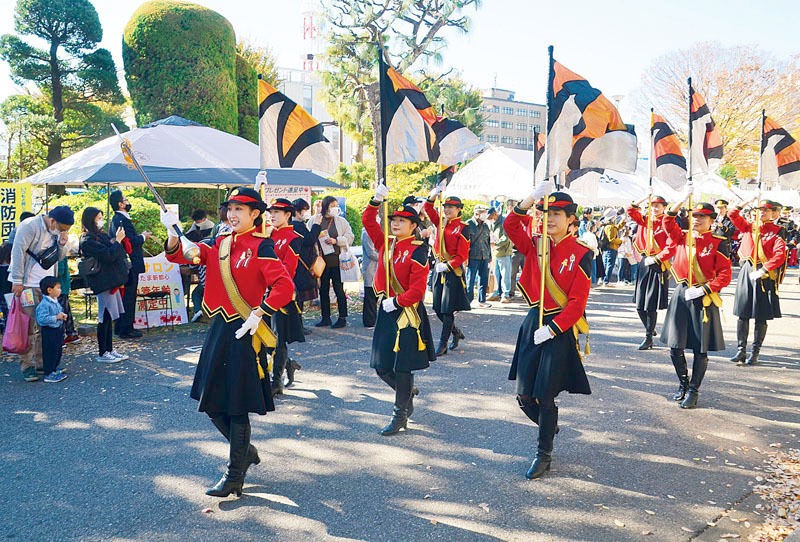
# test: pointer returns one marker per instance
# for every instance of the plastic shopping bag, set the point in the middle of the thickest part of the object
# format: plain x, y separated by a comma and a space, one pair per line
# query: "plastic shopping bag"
348, 266
15, 338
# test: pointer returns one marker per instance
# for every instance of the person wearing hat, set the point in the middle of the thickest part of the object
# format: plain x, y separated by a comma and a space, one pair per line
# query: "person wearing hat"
288, 321
480, 254
245, 281
306, 285
402, 342
651, 293
546, 359
692, 319
724, 226
759, 276
451, 246
39, 244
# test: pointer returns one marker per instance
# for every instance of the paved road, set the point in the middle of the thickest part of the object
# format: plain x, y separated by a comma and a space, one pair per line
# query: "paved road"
119, 453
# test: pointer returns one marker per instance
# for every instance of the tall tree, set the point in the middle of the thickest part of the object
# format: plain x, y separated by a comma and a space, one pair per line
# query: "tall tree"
412, 31
737, 82
262, 59
71, 71
461, 101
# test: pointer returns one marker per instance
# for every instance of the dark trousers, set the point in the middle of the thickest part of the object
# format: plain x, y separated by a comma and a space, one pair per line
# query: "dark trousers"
331, 274
104, 333
125, 322
52, 341
517, 261
370, 313
69, 323
477, 269
197, 298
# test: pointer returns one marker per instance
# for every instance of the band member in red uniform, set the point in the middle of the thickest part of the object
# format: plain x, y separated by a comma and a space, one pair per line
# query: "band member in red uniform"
652, 281
547, 360
402, 340
757, 289
288, 321
692, 319
451, 247
232, 377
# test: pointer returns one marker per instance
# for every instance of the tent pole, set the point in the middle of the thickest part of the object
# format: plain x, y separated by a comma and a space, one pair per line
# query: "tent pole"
47, 198
108, 203
218, 200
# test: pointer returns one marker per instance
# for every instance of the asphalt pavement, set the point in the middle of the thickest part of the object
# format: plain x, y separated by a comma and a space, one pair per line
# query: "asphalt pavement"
119, 452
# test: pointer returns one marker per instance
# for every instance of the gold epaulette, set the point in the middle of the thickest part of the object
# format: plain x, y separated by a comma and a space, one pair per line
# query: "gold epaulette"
717, 236
581, 243
265, 235
224, 233
417, 242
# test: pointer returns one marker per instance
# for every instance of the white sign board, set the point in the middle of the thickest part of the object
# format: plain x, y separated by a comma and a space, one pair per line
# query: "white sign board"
160, 275
275, 191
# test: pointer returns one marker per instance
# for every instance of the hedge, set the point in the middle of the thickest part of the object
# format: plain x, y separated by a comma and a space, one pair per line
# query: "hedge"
247, 96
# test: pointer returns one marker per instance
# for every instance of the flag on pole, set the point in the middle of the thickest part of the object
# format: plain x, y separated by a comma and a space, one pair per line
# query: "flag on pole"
411, 129
780, 156
669, 164
584, 130
706, 151
289, 137
538, 152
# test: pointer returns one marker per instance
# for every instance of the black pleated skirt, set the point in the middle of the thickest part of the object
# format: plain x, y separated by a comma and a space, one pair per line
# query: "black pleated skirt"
409, 357
684, 325
451, 296
226, 380
545, 370
756, 299
288, 325
652, 288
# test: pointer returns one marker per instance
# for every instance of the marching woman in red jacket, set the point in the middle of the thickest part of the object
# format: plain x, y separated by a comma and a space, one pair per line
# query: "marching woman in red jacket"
402, 340
692, 319
451, 247
245, 281
547, 360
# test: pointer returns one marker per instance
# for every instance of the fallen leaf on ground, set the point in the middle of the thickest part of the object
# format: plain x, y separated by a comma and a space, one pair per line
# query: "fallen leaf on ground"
730, 535
207, 510
647, 533
618, 523
687, 529
650, 512
434, 522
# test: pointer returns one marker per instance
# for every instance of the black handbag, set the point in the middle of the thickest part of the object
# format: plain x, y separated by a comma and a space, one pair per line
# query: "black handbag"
88, 266
47, 257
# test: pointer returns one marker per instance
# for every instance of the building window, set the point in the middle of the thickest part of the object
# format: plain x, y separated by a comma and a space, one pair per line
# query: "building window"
522, 112
491, 139
480, 137
494, 109
536, 114
492, 123
507, 125
520, 141
508, 111
530, 146
508, 140
308, 98
522, 126
483, 108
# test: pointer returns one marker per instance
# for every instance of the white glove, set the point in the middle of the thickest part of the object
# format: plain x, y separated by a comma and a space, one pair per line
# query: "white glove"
381, 192
261, 178
693, 293
689, 187
441, 267
169, 220
435, 192
538, 193
388, 305
755, 275
650, 260
542, 334
250, 325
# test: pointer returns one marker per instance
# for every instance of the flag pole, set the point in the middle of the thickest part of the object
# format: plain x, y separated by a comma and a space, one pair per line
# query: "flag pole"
690, 233
440, 231
381, 79
757, 227
262, 189
650, 196
545, 245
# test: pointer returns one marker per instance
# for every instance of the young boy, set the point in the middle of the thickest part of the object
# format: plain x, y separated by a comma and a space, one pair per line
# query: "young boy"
51, 320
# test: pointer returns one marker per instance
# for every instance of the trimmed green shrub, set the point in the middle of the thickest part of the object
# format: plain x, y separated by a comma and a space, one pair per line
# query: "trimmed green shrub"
180, 60
247, 93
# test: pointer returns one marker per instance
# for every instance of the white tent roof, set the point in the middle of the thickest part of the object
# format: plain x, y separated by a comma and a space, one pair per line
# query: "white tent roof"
497, 171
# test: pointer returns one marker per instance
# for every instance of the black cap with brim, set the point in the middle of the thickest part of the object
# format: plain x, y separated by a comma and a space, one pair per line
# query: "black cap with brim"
705, 209
407, 212
455, 201
281, 204
246, 196
770, 204
559, 201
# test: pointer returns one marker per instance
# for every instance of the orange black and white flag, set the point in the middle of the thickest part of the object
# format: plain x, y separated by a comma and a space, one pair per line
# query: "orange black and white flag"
538, 153
584, 130
668, 163
412, 132
289, 137
780, 156
705, 152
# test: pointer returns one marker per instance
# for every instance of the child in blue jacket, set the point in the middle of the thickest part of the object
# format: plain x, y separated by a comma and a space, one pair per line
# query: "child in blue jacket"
51, 319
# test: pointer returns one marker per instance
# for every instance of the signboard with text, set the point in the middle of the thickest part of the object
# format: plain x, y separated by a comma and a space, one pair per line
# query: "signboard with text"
160, 275
14, 199
275, 191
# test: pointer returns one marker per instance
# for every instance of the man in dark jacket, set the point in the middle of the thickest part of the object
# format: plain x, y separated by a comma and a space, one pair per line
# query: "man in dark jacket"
480, 254
133, 246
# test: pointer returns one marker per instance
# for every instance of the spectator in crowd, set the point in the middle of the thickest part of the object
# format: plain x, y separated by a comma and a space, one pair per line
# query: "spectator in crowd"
224, 225
24, 215
112, 259
305, 283
132, 243
70, 335
503, 251
517, 258
335, 232
195, 236
625, 257
586, 218
589, 238
5, 286
51, 320
201, 223
39, 243
610, 249
369, 266
480, 253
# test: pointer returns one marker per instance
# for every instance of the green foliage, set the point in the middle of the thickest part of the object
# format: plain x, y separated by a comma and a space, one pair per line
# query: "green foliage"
727, 172
262, 59
247, 98
408, 178
461, 101
180, 60
187, 199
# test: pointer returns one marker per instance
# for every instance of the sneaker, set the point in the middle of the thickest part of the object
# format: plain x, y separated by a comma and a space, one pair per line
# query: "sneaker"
108, 357
505, 300
55, 376
484, 305
120, 356
197, 316
72, 339
493, 297
30, 375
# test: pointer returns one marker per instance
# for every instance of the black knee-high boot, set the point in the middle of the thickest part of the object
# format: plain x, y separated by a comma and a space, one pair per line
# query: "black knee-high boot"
223, 423
649, 323
279, 359
548, 421
531, 410
679, 362
742, 331
759, 333
233, 479
699, 366
447, 328
402, 397
457, 336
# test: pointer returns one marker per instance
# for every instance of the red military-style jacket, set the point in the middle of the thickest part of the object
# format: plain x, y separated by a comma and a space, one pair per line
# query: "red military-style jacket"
409, 261
774, 245
570, 265
456, 238
287, 247
255, 268
662, 249
712, 254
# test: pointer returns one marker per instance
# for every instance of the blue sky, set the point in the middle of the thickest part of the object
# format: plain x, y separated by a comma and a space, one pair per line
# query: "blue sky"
608, 42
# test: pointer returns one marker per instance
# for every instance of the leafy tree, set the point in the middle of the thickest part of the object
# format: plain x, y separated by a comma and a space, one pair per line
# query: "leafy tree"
461, 101
71, 72
180, 59
247, 99
262, 59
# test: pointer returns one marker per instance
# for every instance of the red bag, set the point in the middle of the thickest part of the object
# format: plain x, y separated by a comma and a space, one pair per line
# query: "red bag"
15, 339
